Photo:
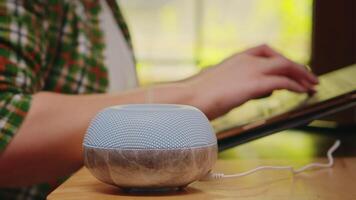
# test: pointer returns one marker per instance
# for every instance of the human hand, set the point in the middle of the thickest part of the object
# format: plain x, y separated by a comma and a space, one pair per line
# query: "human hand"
251, 74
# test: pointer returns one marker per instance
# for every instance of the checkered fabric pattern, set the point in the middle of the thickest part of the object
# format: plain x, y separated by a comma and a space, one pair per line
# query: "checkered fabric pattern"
47, 45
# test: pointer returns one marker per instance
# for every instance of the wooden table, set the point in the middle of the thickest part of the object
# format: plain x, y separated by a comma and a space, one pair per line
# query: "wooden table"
292, 147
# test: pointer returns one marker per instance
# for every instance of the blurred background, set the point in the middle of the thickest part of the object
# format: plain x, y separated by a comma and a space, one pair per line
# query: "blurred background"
174, 39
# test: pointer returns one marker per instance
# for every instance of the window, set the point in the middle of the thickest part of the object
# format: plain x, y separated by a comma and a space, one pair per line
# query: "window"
174, 39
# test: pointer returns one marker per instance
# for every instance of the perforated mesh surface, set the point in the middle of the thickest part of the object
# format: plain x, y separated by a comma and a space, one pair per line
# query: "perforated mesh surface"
150, 126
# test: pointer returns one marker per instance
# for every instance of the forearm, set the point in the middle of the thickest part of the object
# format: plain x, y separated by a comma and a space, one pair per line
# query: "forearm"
49, 142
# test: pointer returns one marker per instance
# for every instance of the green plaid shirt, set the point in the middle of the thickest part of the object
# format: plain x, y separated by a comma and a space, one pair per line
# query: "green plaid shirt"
47, 45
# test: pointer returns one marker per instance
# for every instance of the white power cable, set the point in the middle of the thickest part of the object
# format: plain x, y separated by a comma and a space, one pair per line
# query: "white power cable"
215, 176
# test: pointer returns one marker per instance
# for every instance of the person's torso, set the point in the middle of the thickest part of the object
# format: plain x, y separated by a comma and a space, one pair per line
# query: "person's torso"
73, 59
118, 56
61, 50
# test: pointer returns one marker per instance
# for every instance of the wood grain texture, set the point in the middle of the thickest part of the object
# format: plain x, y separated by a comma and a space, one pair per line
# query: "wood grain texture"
150, 168
335, 183
291, 147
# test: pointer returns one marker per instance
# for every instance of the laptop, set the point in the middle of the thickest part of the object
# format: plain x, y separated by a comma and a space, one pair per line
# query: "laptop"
284, 109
